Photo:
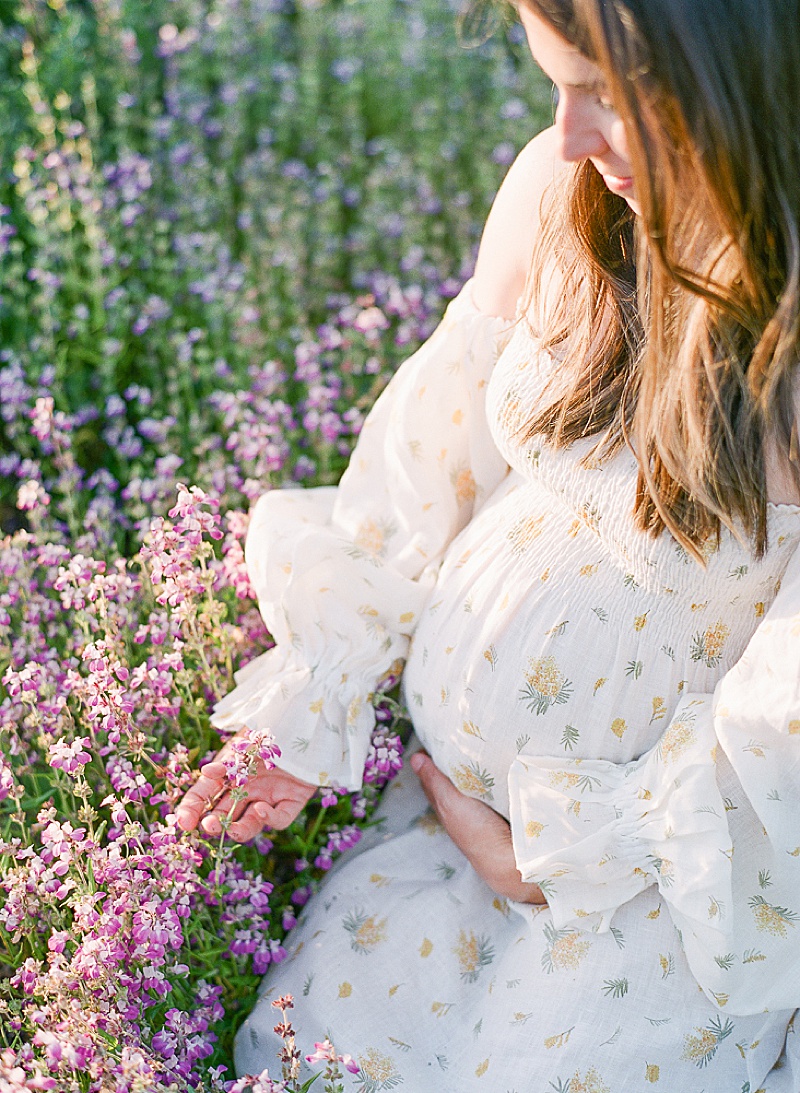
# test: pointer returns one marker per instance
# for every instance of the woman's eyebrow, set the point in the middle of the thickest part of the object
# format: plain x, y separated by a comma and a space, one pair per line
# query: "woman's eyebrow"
586, 85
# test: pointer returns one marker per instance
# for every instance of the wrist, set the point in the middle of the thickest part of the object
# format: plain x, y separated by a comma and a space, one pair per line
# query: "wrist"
519, 891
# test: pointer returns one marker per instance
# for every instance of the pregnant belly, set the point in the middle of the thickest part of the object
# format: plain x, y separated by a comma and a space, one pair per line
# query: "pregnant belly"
530, 641
493, 618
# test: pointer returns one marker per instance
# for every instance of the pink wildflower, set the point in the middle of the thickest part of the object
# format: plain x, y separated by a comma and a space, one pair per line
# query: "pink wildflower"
70, 758
15, 1079
246, 749
326, 1053
32, 495
257, 1083
189, 510
7, 783
42, 418
369, 320
233, 569
385, 757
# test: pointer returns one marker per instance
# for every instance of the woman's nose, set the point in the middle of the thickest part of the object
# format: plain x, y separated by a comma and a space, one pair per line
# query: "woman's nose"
578, 134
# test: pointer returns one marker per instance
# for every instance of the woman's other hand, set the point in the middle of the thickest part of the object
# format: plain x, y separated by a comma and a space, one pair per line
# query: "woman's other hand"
274, 799
480, 833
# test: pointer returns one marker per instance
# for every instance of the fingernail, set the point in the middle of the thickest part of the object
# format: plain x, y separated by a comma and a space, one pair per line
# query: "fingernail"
261, 811
417, 761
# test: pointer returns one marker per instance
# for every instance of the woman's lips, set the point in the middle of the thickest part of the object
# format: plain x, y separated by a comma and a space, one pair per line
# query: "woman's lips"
617, 184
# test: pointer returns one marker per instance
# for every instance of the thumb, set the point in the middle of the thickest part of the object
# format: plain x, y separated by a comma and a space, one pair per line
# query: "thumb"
419, 761
436, 785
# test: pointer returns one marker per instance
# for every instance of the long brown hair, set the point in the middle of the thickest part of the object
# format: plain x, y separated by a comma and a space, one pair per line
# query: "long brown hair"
679, 330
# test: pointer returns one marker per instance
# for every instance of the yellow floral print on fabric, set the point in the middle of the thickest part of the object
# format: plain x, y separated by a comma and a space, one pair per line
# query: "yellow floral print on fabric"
429, 823
464, 485
772, 919
679, 736
378, 1072
591, 1082
522, 533
565, 949
545, 685
709, 645
473, 953
659, 709
473, 780
366, 931
618, 727
700, 1046
559, 1039
371, 540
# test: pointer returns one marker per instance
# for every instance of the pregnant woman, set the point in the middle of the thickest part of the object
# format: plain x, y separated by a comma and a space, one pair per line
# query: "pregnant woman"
575, 516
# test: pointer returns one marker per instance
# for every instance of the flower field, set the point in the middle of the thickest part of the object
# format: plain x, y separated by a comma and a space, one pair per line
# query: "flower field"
223, 224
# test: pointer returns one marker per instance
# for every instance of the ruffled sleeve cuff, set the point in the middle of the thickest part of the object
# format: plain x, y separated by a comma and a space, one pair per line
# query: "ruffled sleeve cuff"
323, 741
593, 834
341, 624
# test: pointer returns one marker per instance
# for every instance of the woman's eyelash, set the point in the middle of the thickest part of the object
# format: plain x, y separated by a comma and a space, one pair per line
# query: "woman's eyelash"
601, 98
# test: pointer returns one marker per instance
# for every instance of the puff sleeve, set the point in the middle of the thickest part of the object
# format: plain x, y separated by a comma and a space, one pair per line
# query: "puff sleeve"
342, 574
711, 815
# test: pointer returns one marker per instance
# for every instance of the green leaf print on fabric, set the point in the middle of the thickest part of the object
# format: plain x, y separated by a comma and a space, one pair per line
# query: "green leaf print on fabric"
615, 988
569, 737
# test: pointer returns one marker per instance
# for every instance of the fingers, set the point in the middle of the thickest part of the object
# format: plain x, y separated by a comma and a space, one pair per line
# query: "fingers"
251, 817
215, 769
197, 799
223, 811
250, 824
282, 814
274, 798
480, 833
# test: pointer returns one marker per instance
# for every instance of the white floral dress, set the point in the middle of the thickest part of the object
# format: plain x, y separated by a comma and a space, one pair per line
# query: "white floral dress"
635, 716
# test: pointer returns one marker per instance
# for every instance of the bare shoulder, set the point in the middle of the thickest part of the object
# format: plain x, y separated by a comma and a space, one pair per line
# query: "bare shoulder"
511, 228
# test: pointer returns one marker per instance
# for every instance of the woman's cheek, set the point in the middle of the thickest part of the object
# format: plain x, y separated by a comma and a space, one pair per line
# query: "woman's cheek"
618, 140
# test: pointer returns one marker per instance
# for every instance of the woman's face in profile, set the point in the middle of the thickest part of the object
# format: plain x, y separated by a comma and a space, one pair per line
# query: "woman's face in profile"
587, 124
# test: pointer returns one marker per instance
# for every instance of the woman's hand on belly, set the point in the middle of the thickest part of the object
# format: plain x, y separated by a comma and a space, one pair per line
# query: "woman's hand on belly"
480, 833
